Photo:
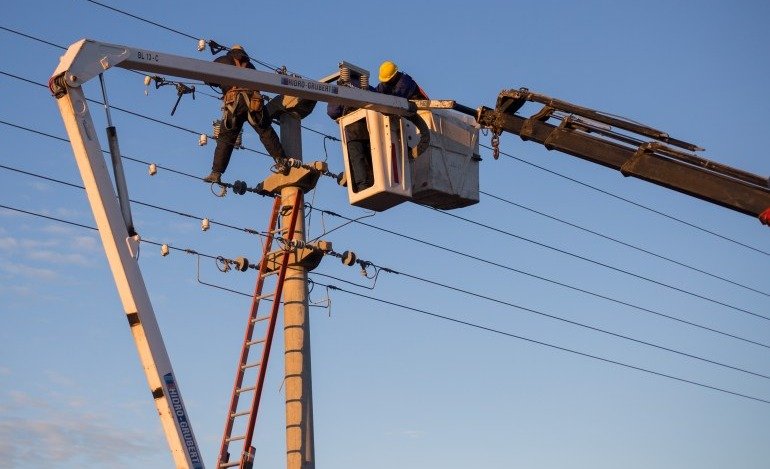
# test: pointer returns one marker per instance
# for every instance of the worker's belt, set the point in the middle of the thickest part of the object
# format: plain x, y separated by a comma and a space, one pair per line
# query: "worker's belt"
233, 96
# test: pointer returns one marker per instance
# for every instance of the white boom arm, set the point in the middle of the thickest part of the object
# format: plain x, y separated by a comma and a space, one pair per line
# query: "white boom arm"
87, 59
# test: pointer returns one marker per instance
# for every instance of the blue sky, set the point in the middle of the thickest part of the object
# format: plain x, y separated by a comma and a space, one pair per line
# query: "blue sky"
393, 387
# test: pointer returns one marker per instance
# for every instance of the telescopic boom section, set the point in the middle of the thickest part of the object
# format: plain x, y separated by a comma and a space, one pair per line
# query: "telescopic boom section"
631, 148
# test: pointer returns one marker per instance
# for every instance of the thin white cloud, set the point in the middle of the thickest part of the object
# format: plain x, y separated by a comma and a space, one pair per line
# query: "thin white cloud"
70, 435
6, 242
27, 271
58, 257
40, 186
25, 400
66, 441
59, 379
18, 290
85, 243
413, 434
9, 242
61, 229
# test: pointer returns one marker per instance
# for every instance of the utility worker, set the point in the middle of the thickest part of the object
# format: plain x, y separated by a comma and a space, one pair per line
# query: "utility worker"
358, 145
396, 83
241, 105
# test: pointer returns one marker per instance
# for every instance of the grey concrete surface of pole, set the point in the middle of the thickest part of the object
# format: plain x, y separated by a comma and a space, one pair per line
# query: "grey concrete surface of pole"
300, 452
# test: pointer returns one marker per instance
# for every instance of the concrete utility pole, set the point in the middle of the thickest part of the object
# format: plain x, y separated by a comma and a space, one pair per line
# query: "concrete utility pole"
300, 451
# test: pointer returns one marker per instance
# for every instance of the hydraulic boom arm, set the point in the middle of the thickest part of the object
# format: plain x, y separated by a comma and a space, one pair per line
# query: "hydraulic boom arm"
631, 148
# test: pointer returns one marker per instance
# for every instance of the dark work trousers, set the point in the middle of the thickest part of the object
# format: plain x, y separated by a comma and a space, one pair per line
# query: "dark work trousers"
359, 155
227, 137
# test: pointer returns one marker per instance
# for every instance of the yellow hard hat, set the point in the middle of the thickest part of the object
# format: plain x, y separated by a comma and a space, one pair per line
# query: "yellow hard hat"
237, 47
387, 71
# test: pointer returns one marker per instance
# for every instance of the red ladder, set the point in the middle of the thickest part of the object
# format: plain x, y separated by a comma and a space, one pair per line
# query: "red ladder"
246, 459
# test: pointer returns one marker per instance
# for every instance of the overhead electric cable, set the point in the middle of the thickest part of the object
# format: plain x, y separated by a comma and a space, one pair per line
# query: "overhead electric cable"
146, 163
568, 321
264, 64
545, 279
623, 243
144, 19
510, 156
629, 201
145, 204
545, 344
158, 121
332, 213
432, 282
32, 37
447, 318
592, 261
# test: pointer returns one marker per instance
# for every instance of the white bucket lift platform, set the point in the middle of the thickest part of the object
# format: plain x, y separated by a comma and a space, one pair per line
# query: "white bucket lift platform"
380, 174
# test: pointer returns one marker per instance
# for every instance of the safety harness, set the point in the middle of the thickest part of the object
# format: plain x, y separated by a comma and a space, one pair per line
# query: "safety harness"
233, 97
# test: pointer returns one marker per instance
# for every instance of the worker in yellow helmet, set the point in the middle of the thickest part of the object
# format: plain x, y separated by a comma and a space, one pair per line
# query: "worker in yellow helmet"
397, 83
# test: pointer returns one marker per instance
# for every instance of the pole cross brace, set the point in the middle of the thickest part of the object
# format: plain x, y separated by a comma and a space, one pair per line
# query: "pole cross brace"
307, 256
305, 178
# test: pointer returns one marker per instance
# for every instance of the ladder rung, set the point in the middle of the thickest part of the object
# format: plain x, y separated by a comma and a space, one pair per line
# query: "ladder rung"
266, 295
259, 318
230, 464
255, 342
240, 414
269, 274
246, 389
250, 365
236, 438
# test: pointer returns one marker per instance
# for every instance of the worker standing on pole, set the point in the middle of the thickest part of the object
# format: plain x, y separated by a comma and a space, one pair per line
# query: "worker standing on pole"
241, 105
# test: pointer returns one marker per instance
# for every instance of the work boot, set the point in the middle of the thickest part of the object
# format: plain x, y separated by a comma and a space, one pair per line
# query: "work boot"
213, 177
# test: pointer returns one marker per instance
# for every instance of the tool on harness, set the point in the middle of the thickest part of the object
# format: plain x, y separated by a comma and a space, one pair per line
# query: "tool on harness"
251, 98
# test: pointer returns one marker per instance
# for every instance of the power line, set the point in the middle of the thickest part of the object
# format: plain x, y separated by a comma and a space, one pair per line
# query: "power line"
483, 225
264, 64
432, 282
629, 201
568, 321
168, 124
126, 111
447, 318
144, 19
592, 261
485, 146
33, 38
538, 277
545, 344
495, 229
145, 204
135, 160
251, 231
623, 243
48, 217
